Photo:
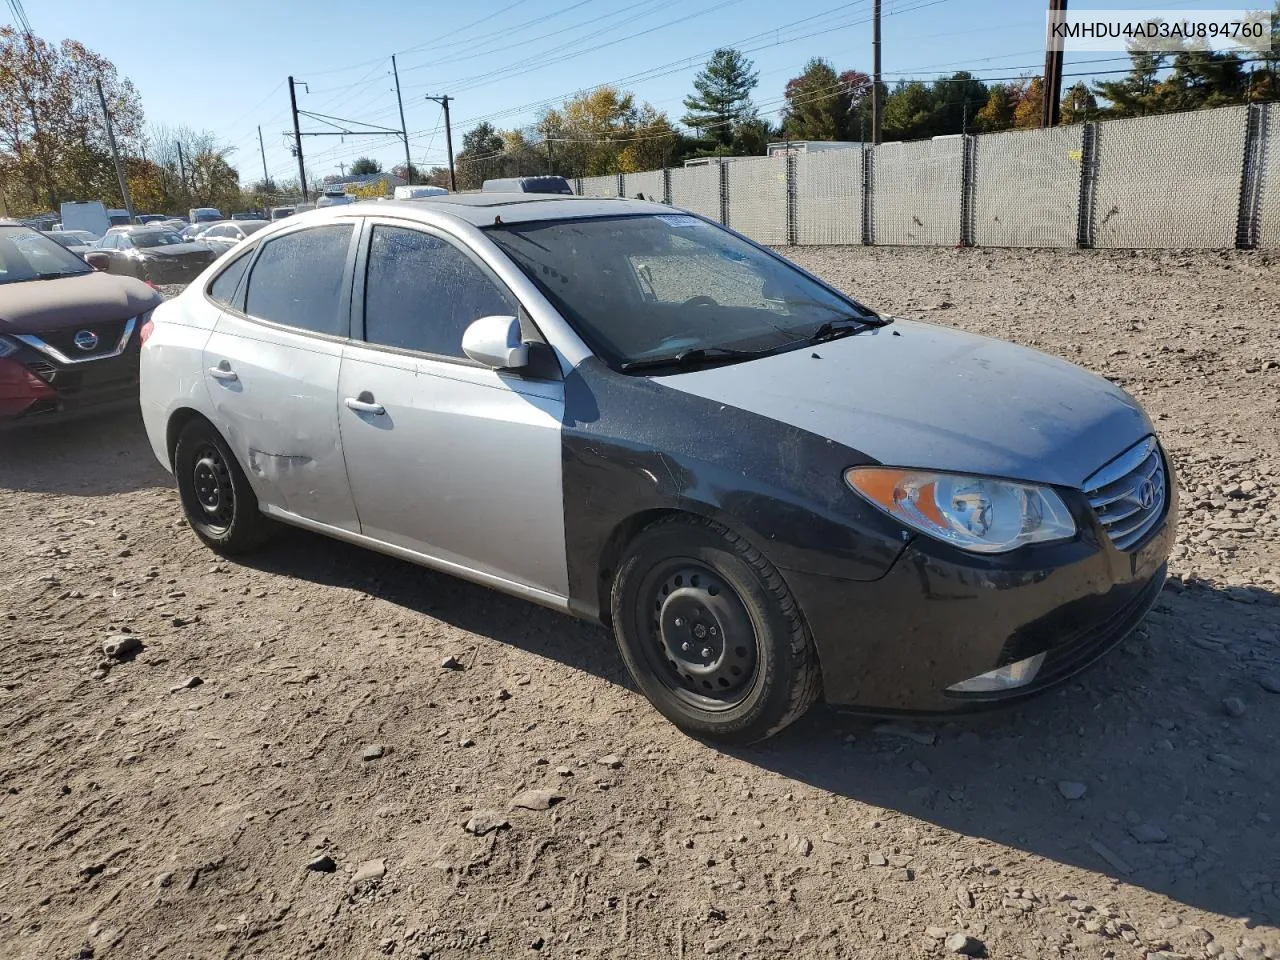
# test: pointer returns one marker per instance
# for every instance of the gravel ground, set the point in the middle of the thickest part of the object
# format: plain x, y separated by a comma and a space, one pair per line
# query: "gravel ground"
285, 768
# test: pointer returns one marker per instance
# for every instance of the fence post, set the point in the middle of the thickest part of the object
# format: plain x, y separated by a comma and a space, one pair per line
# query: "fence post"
621, 188
868, 214
793, 226
1088, 185
577, 185
968, 154
724, 192
666, 186
1251, 178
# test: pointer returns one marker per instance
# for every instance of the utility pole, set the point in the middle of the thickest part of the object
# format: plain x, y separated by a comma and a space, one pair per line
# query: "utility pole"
342, 168
404, 131
182, 170
115, 154
266, 177
1051, 112
448, 138
297, 141
877, 108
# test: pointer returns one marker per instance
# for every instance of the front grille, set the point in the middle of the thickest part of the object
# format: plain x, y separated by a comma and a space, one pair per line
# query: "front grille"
64, 341
1128, 495
42, 369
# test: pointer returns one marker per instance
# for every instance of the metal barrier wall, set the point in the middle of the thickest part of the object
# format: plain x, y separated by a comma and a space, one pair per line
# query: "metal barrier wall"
651, 185
599, 186
1266, 211
1169, 181
758, 198
1026, 188
697, 189
829, 197
915, 192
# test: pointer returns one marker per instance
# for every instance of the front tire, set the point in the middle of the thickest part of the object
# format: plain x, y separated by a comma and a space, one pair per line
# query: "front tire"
711, 634
216, 497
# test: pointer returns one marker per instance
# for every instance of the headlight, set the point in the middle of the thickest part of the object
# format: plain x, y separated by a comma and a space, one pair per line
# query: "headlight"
973, 513
7, 347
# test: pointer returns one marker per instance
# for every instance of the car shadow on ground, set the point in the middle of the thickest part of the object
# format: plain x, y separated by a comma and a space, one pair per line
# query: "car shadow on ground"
1178, 793
100, 455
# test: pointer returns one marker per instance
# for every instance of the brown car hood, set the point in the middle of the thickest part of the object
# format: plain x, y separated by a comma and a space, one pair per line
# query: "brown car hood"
33, 306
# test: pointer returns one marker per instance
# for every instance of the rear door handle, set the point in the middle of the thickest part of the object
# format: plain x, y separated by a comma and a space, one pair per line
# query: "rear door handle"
361, 405
223, 372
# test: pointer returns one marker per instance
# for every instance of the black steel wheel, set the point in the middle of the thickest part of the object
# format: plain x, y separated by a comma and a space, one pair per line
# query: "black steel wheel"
216, 496
704, 644
710, 632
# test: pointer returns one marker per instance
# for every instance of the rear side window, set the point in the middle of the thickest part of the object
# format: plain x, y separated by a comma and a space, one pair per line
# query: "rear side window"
422, 292
297, 280
224, 285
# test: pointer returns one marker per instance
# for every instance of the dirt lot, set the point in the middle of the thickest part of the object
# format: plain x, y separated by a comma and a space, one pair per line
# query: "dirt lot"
144, 816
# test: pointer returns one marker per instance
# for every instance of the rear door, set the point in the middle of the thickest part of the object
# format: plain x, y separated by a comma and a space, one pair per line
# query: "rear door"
272, 370
448, 458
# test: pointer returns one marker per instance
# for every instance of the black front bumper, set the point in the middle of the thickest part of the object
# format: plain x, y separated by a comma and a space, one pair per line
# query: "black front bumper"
78, 389
941, 616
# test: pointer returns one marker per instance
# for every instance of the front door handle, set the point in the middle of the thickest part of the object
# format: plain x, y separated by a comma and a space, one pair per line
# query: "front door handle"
223, 372
365, 404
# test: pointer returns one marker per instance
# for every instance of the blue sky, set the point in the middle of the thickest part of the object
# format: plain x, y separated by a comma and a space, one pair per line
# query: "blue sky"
222, 67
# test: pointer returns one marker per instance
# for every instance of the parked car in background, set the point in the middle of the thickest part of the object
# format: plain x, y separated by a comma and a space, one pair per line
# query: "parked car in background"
78, 242
224, 236
767, 489
557, 185
417, 192
153, 254
250, 215
335, 198
279, 213
191, 231
145, 218
204, 215
69, 336
118, 218
87, 215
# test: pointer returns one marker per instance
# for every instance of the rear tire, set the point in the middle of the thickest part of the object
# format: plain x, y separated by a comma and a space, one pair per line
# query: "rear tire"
216, 497
711, 634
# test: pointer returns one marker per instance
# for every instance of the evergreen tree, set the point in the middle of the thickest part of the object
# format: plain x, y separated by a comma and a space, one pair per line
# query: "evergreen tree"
722, 97
824, 105
364, 165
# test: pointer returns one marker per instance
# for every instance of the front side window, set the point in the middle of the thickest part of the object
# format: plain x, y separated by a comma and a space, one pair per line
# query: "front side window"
422, 292
223, 288
644, 287
297, 280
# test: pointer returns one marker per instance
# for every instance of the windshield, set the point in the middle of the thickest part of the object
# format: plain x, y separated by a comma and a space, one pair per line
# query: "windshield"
27, 255
156, 238
252, 226
65, 239
638, 288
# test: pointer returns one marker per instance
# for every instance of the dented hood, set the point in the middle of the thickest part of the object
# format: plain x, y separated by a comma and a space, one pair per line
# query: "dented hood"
33, 306
917, 395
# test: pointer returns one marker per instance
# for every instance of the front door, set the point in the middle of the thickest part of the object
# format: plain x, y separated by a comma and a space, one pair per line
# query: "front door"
272, 366
445, 457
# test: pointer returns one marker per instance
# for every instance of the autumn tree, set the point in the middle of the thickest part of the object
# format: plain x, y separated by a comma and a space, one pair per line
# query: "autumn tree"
1030, 110
824, 105
53, 143
722, 96
997, 113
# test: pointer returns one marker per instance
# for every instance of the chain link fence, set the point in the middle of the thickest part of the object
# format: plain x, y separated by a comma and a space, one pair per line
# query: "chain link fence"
915, 192
829, 197
697, 189
1026, 188
757, 191
1207, 179
1169, 181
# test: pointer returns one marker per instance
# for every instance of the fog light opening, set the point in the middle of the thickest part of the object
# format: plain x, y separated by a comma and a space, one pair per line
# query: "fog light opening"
1008, 677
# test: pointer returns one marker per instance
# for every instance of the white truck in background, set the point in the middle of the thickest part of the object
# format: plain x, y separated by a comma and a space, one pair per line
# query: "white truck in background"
88, 215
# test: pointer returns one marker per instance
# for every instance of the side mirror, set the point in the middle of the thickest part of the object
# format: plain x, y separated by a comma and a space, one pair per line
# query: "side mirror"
97, 260
496, 343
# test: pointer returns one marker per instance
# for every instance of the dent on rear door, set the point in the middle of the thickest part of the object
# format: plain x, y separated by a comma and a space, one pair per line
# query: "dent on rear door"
280, 416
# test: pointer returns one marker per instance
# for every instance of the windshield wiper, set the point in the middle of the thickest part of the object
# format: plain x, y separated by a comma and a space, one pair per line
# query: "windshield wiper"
59, 275
696, 356
841, 326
